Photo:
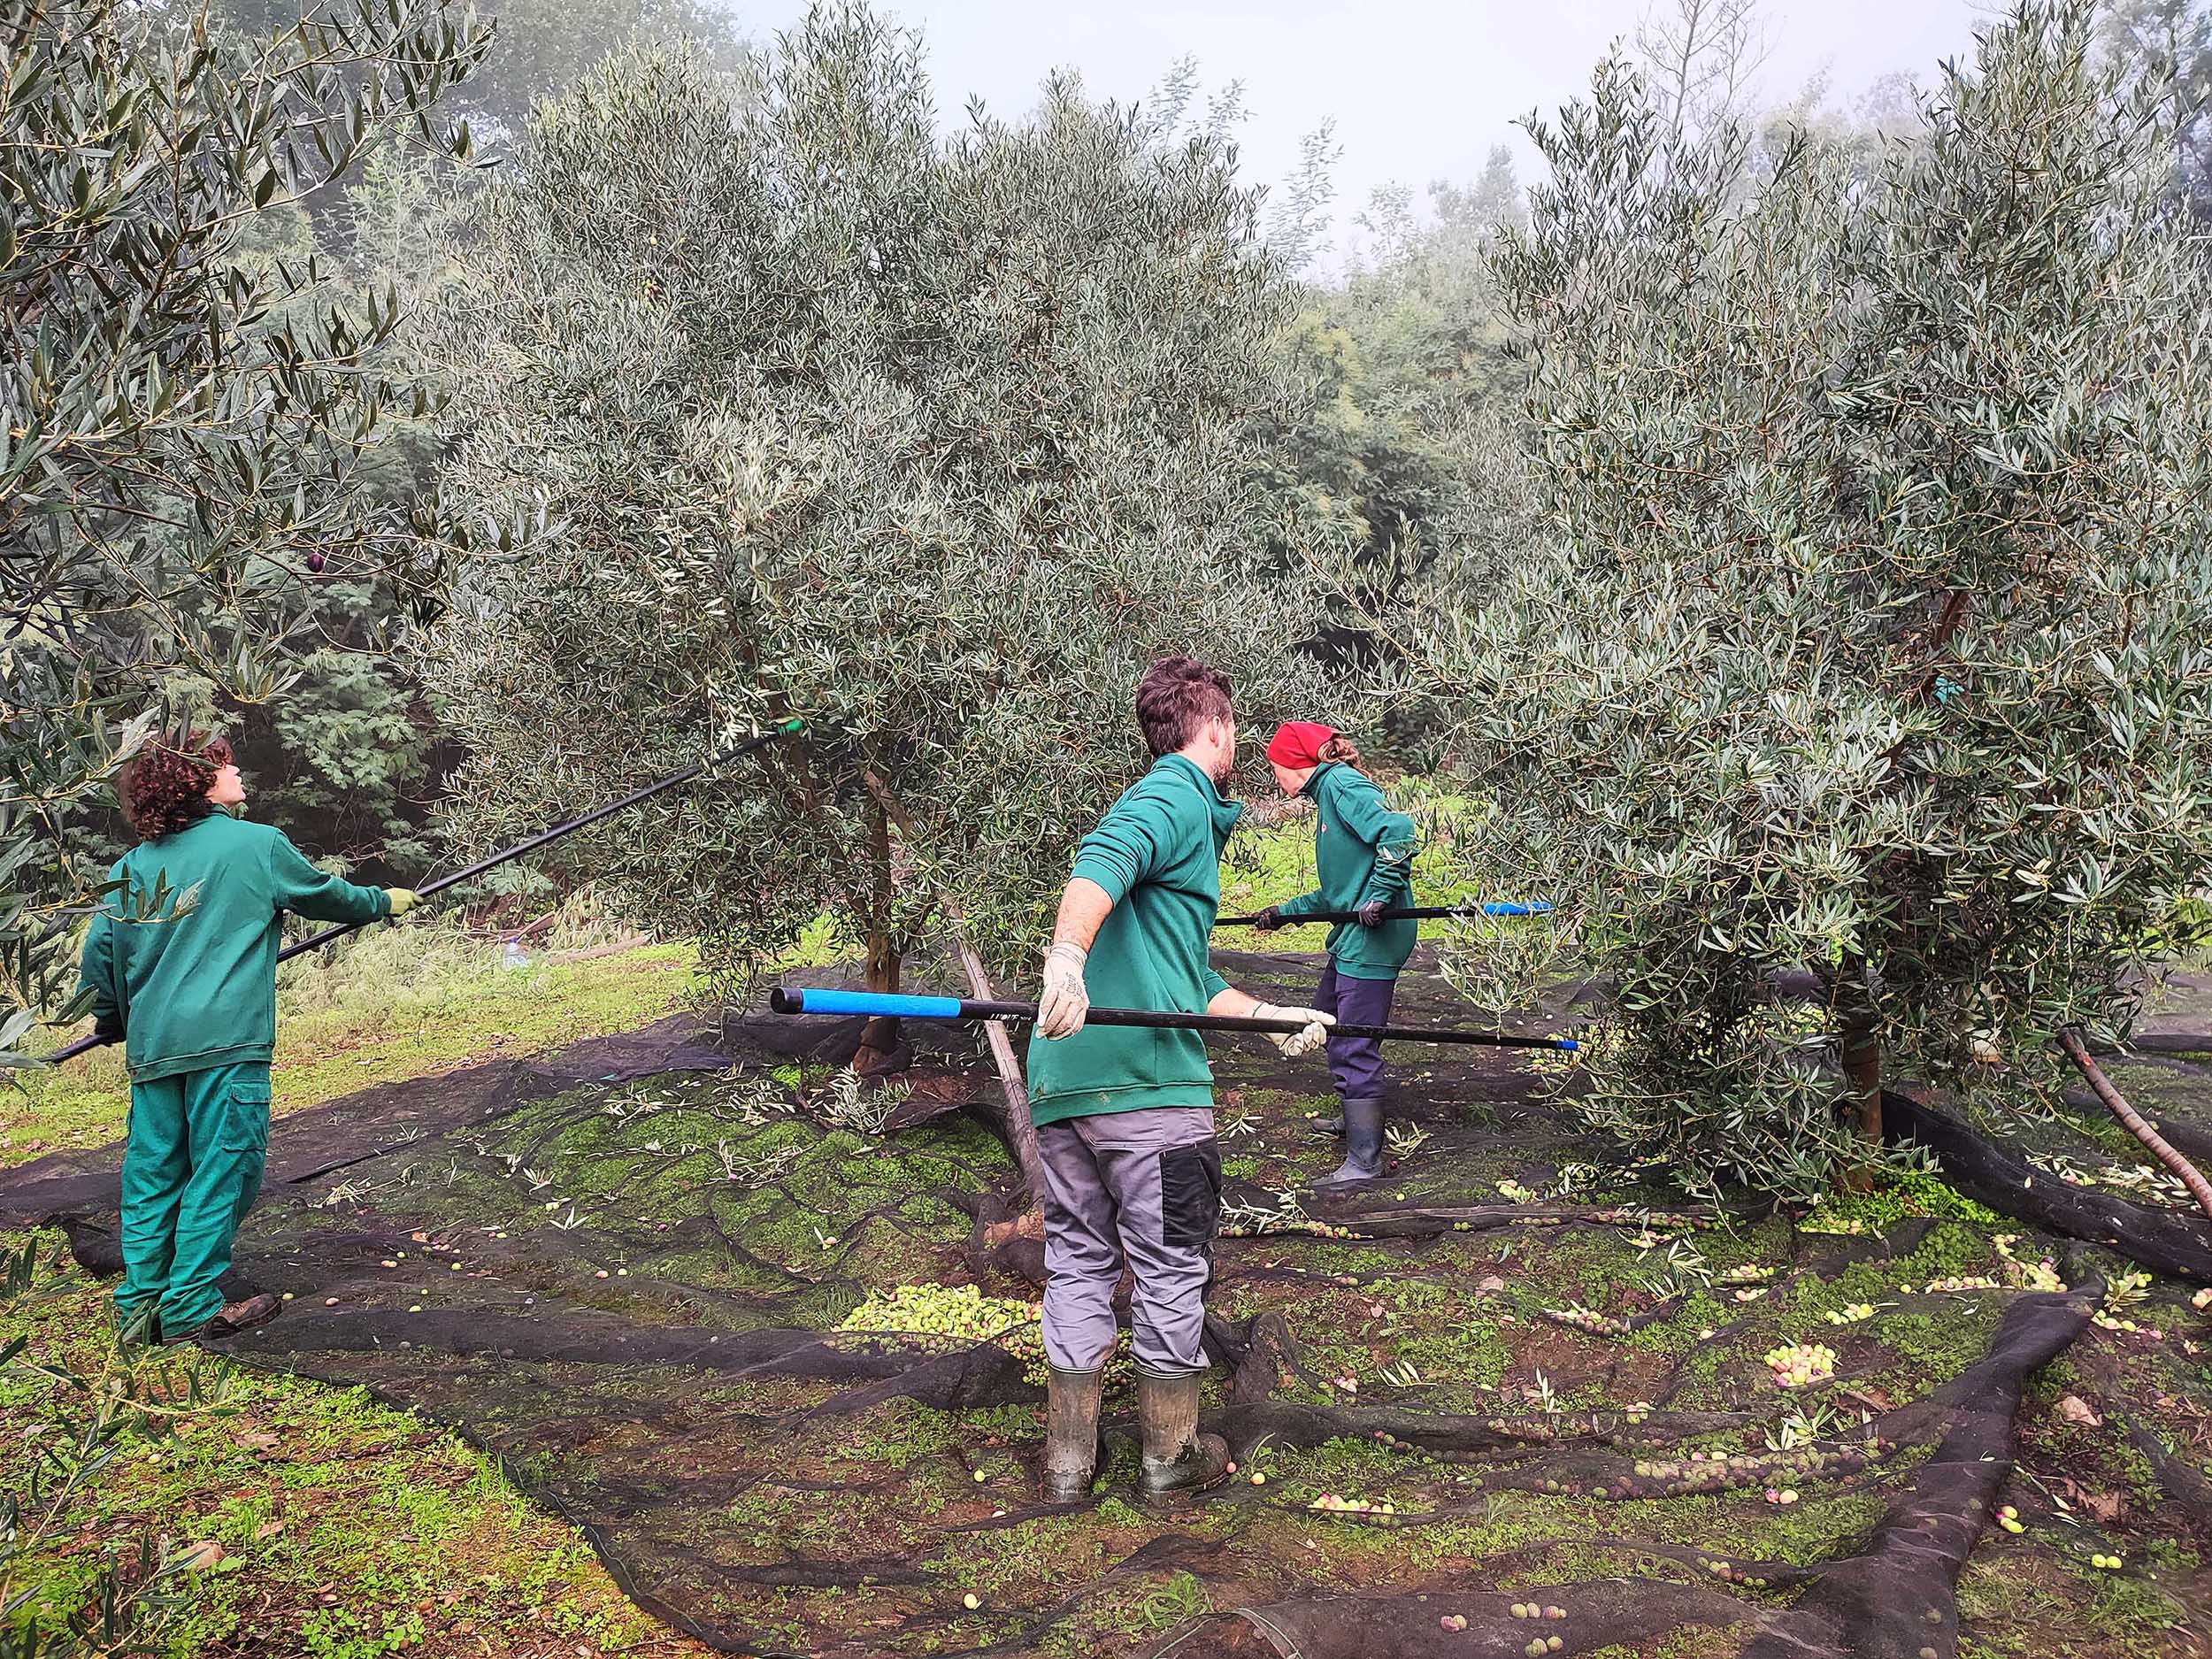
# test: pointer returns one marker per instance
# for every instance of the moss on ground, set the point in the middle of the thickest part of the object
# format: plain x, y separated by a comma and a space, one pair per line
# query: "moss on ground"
348, 1529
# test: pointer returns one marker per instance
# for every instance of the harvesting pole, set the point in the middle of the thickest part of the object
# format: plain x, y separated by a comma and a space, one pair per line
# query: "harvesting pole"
787, 1000
507, 854
1413, 913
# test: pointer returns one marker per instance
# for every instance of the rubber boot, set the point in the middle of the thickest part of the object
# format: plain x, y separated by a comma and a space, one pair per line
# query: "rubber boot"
1070, 1434
1363, 1144
1177, 1457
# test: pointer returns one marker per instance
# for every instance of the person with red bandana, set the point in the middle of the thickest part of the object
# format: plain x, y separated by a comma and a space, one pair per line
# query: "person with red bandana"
1363, 857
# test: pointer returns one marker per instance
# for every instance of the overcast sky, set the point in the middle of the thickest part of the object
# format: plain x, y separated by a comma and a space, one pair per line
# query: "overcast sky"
1418, 88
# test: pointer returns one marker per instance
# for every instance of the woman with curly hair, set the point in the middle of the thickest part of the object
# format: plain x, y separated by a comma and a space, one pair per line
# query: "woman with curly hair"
181, 961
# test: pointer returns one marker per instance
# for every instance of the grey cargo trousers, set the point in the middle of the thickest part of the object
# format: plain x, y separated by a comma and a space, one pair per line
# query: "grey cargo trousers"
1143, 1186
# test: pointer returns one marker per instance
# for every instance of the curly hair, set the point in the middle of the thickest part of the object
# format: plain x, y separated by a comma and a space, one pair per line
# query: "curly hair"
1342, 751
164, 785
1177, 695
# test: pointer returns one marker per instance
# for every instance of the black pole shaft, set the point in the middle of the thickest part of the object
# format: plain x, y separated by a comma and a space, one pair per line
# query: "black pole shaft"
784, 1000
315, 941
568, 826
1413, 913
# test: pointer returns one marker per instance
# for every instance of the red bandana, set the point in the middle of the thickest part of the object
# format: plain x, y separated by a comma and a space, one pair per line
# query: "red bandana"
1296, 744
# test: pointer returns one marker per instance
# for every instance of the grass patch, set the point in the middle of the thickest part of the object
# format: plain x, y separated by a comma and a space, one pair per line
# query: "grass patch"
1264, 867
403, 1001
326, 1524
346, 1529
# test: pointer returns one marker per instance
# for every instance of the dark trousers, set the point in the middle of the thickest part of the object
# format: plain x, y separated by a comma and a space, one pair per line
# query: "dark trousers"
1355, 1062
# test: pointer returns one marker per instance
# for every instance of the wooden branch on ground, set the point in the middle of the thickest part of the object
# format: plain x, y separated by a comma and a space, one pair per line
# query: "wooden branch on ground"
2133, 1121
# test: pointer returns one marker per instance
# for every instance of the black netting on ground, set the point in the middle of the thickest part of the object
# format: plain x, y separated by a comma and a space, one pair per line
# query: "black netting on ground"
1487, 1382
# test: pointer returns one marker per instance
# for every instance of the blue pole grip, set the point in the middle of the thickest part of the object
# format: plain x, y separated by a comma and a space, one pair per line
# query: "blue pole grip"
876, 1003
1534, 907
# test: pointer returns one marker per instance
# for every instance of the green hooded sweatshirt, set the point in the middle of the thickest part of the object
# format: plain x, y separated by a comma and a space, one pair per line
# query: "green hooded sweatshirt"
1157, 854
183, 957
1363, 850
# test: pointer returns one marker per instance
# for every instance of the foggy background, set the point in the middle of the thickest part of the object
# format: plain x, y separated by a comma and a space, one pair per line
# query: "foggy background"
1417, 89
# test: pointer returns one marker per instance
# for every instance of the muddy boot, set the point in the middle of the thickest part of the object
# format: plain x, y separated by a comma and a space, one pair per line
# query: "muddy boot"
1070, 1434
1177, 1457
1363, 1144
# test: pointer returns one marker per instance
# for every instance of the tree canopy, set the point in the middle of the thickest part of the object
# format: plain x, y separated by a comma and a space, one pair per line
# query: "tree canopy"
185, 420
1864, 623
935, 442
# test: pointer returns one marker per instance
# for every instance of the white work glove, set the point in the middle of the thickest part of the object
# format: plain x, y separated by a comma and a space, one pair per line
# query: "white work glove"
1064, 1005
1293, 1043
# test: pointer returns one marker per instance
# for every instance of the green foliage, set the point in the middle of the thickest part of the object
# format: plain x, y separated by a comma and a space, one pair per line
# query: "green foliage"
169, 465
2167, 43
538, 48
128, 1399
345, 762
1399, 363
542, 47
934, 441
1862, 626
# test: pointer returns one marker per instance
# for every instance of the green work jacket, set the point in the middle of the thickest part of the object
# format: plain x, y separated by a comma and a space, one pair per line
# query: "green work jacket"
183, 955
1157, 854
1363, 850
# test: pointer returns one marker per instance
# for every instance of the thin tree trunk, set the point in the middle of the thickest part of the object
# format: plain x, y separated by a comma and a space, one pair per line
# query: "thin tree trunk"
2133, 1121
880, 1035
1021, 1133
1861, 1052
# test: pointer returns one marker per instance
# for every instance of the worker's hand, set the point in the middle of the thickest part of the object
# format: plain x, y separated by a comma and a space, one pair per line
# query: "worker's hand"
1371, 914
403, 899
1269, 920
1063, 1008
1293, 1043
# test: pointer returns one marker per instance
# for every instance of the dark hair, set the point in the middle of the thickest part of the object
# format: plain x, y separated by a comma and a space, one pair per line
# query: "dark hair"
1177, 695
164, 785
1340, 750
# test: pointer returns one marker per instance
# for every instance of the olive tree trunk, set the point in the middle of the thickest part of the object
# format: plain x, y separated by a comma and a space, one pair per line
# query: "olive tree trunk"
1021, 1132
880, 1037
1860, 1050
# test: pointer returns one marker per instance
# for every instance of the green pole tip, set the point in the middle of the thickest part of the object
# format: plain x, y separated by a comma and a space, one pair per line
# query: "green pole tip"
795, 724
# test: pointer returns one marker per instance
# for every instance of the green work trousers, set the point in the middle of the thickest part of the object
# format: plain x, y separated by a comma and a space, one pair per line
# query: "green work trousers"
191, 1170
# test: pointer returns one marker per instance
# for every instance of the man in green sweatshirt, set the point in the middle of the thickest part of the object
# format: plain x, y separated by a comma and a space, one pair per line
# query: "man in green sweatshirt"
180, 960
1125, 1114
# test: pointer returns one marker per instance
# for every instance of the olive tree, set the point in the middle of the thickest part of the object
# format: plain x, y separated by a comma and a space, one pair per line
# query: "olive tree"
1863, 624
933, 442
183, 423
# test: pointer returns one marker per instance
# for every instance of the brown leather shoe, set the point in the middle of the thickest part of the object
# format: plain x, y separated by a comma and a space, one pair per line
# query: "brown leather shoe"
234, 1317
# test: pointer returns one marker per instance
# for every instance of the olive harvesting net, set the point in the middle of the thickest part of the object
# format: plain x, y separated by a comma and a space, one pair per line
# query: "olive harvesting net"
767, 1332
